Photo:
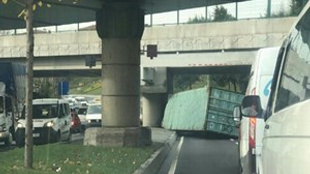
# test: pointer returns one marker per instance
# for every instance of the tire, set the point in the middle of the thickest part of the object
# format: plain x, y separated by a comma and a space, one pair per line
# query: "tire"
57, 138
8, 141
69, 138
20, 144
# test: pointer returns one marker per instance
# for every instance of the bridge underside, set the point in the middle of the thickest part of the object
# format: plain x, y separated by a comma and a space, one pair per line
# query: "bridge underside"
237, 69
186, 63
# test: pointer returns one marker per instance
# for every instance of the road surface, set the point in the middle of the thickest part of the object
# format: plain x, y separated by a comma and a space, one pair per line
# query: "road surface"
202, 155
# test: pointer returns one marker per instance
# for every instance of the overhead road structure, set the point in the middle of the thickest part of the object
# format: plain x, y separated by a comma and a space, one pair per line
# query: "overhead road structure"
120, 26
72, 11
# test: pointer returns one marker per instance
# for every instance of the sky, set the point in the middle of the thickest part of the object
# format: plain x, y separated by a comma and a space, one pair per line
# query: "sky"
247, 9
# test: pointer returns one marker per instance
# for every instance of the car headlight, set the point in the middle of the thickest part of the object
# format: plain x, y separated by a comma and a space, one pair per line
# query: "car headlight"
49, 124
19, 125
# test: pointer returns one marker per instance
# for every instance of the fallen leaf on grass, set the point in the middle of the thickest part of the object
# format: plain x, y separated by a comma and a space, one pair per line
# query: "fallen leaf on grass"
66, 161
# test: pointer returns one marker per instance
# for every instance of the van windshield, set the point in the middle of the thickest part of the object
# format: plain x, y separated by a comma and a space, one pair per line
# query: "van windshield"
43, 111
1, 105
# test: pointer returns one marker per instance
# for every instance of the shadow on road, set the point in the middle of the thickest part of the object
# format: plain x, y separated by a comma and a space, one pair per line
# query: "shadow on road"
205, 135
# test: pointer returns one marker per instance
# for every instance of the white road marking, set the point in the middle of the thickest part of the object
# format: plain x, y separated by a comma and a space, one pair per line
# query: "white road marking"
175, 161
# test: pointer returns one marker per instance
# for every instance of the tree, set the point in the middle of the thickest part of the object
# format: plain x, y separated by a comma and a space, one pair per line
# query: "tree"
281, 13
221, 14
46, 87
184, 82
296, 6
197, 19
232, 82
28, 14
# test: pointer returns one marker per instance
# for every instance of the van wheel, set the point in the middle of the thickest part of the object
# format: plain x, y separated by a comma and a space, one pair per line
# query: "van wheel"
8, 141
58, 137
69, 138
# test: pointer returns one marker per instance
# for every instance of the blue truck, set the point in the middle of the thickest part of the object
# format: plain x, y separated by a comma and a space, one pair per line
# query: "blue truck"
12, 98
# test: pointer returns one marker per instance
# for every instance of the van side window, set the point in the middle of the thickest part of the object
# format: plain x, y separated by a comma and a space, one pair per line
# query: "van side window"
67, 109
295, 83
62, 110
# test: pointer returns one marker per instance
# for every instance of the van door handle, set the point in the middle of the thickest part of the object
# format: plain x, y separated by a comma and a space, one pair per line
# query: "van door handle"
266, 126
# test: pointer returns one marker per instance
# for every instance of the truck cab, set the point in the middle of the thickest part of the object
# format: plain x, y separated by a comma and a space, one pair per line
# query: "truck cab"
51, 122
6, 117
12, 96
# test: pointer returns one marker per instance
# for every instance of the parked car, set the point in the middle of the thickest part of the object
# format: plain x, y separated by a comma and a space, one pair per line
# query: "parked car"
252, 127
51, 122
94, 115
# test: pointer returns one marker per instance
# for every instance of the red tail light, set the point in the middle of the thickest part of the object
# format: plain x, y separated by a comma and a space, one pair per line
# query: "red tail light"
252, 132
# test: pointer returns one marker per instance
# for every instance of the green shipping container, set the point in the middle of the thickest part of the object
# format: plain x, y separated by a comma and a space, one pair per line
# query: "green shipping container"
204, 109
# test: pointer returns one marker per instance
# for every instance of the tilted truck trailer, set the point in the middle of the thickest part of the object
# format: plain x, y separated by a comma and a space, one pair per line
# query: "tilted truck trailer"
205, 109
12, 97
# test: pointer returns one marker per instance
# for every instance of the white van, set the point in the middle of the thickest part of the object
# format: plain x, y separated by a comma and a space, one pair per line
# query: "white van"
252, 127
51, 122
286, 138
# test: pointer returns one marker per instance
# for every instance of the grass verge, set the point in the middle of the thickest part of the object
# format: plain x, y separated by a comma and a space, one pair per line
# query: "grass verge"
76, 158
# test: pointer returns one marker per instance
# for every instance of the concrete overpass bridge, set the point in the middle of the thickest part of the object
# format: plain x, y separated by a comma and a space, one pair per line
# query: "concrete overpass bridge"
120, 53
208, 44
194, 48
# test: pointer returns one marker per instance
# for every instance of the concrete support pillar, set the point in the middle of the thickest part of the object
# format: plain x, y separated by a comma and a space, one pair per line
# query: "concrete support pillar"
120, 25
153, 108
120, 82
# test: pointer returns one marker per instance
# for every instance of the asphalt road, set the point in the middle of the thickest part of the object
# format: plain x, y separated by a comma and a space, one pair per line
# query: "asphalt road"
202, 155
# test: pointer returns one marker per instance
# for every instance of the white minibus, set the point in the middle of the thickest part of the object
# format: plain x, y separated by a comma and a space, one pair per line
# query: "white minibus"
252, 126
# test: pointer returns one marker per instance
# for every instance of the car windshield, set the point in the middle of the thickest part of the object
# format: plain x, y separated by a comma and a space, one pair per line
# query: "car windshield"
43, 111
94, 109
80, 100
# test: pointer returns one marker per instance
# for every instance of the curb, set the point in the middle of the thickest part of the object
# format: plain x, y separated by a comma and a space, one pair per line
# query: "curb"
153, 164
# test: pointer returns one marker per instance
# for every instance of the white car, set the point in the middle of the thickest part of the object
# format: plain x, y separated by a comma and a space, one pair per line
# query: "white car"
94, 115
80, 102
51, 122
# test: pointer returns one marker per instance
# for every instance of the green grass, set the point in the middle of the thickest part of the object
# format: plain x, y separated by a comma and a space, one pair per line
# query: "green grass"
91, 86
76, 158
